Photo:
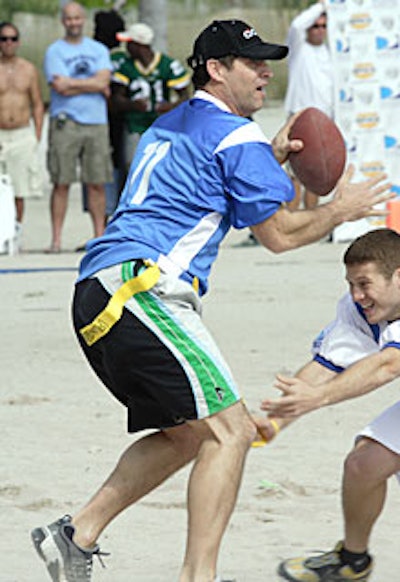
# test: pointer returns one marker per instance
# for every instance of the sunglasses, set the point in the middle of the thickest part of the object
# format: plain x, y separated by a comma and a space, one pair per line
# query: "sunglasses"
6, 38
318, 26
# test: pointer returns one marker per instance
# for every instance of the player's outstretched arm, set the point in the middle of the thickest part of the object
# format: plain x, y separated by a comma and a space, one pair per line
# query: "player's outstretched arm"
269, 426
299, 397
286, 230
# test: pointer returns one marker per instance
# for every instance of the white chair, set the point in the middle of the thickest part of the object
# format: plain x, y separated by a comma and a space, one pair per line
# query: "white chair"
7, 215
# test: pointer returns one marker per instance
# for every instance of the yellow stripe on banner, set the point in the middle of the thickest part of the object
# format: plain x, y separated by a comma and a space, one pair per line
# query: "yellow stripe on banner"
102, 324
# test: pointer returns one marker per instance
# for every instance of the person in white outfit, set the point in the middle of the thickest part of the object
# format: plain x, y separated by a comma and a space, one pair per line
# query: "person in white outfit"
310, 79
355, 354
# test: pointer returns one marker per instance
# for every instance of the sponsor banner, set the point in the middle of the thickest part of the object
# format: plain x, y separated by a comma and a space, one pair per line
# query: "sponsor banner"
364, 37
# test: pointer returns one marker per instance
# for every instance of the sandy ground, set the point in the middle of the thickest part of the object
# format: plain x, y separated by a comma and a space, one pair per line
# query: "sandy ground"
62, 432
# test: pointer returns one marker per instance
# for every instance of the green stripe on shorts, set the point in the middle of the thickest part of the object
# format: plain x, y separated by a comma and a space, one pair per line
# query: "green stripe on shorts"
126, 271
216, 390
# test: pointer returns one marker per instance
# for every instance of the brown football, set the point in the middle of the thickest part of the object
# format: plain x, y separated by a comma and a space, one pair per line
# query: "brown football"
321, 162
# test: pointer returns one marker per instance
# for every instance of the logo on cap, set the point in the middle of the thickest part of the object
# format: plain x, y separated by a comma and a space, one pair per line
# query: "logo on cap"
249, 33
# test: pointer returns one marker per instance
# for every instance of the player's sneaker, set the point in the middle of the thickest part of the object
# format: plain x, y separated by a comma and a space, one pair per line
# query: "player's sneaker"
328, 567
65, 561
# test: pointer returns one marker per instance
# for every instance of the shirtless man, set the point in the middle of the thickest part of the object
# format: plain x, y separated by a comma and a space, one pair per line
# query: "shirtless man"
20, 100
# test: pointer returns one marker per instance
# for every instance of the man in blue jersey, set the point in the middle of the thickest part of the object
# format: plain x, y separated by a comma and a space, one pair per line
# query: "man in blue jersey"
357, 353
198, 170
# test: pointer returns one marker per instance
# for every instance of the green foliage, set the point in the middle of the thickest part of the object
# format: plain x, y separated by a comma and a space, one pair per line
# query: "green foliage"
49, 7
106, 5
9, 7
297, 5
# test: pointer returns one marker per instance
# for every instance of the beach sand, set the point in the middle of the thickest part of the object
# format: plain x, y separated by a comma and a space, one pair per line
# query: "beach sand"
62, 432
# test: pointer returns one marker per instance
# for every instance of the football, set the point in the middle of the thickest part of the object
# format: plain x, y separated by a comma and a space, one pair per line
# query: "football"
321, 162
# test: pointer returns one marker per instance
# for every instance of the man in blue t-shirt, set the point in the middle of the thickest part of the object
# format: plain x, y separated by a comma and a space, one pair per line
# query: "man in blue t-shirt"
78, 71
199, 170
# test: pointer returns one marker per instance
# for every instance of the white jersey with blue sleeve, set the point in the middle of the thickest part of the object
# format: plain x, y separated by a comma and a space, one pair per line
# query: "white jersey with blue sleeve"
197, 171
350, 337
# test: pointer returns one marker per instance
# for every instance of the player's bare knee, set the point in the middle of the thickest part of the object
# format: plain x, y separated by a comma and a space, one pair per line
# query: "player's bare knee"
234, 427
360, 463
353, 466
184, 440
246, 433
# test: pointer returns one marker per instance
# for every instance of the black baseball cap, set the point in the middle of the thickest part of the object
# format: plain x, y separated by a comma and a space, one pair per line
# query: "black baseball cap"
233, 37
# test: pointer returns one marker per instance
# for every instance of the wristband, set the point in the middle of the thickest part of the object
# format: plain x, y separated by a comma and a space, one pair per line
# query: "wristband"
262, 442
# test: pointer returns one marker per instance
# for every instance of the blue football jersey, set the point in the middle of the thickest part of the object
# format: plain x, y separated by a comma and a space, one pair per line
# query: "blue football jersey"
197, 171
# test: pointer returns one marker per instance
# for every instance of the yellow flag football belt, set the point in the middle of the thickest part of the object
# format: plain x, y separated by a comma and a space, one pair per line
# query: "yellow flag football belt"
112, 313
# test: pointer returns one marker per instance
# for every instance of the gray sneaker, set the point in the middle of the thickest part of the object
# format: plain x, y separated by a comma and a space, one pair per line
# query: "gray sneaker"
65, 561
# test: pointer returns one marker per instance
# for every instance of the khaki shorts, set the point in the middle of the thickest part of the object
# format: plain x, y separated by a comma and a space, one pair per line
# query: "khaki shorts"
79, 153
19, 154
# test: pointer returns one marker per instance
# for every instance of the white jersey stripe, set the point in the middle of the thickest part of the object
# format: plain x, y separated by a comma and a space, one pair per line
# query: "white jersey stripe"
250, 132
193, 241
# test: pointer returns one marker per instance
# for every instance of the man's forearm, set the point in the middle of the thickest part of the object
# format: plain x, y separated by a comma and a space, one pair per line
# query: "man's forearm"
300, 397
306, 18
286, 230
364, 376
90, 85
295, 229
68, 86
38, 116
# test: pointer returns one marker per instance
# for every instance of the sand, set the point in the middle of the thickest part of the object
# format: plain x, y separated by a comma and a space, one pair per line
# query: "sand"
62, 432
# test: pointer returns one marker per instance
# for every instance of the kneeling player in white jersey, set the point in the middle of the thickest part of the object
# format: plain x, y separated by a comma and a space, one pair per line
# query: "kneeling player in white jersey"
357, 353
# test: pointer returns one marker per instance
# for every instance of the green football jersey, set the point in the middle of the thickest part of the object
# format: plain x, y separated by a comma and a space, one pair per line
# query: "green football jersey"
118, 56
153, 83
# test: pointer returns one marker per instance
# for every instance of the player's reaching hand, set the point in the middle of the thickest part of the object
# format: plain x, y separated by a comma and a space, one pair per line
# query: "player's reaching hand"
267, 428
298, 397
